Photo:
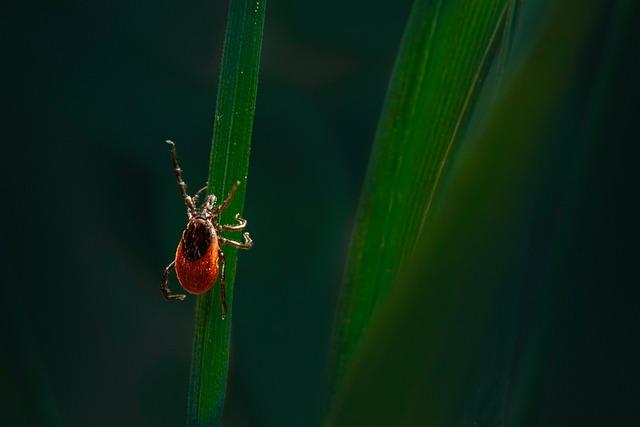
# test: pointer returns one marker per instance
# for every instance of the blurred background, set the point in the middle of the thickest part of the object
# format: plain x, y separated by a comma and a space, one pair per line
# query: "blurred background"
92, 213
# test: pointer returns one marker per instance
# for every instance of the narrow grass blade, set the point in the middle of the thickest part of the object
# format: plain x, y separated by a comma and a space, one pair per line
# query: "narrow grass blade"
444, 55
229, 162
441, 350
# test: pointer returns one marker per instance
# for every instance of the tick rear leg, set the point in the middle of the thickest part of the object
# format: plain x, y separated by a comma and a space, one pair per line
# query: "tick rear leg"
242, 223
164, 284
223, 300
240, 245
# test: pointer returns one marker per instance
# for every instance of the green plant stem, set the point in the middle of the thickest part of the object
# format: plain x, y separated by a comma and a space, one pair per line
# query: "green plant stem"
230, 149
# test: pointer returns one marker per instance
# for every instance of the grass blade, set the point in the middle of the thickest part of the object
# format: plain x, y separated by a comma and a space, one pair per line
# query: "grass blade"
441, 351
231, 144
444, 55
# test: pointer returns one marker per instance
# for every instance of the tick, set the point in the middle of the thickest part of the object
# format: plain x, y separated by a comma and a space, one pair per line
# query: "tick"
199, 254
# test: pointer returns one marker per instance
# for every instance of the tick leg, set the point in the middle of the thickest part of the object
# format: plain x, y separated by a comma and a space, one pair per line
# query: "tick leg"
242, 223
226, 202
164, 284
197, 195
223, 301
181, 184
241, 245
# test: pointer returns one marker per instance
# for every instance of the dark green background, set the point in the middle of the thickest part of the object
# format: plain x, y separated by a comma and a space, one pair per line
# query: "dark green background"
91, 213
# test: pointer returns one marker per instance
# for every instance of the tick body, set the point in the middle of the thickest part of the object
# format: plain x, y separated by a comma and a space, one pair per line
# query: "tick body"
199, 258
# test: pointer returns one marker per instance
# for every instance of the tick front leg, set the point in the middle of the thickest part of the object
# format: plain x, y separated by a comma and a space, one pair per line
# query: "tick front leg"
242, 223
164, 284
240, 245
181, 184
198, 194
227, 201
223, 300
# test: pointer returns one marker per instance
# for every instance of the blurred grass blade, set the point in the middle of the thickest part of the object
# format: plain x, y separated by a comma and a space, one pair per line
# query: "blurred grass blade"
231, 144
441, 352
444, 55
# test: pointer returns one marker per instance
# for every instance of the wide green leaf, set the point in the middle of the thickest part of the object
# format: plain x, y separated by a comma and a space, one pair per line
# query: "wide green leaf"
442, 351
445, 53
231, 144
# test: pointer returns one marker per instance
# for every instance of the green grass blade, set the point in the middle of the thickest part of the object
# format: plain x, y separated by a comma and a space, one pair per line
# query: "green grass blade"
231, 144
444, 55
441, 350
